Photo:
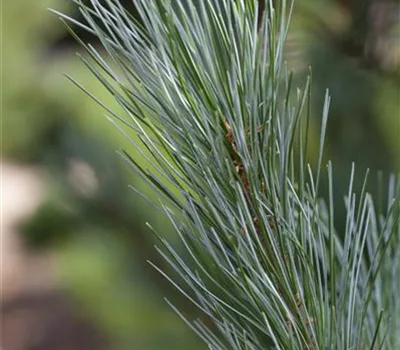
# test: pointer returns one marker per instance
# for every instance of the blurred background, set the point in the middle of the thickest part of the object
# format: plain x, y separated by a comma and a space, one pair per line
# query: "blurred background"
74, 241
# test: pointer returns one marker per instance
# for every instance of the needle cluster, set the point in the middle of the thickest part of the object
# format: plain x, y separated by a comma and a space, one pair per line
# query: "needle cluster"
204, 90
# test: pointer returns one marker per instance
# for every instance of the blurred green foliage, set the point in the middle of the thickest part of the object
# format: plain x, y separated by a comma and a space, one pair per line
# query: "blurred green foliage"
353, 49
92, 220
354, 52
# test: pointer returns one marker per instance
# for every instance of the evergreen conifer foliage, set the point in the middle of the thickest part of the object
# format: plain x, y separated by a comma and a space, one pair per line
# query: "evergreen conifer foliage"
204, 88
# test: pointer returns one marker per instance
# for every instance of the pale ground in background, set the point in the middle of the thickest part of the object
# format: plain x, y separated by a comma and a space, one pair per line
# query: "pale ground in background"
21, 271
35, 313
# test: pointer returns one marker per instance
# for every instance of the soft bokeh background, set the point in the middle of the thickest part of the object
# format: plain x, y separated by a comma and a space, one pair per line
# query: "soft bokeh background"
74, 240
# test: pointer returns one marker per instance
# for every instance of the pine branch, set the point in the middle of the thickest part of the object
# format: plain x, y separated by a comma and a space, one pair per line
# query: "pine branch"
207, 98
